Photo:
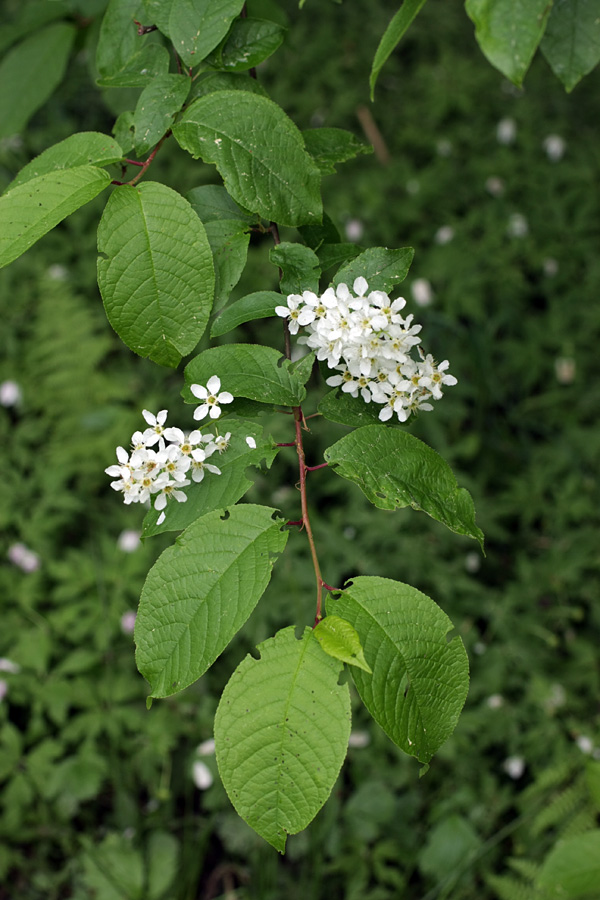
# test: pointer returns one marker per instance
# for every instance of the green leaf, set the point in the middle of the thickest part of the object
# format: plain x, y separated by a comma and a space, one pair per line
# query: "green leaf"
28, 17
302, 368
123, 57
572, 868
395, 469
299, 267
331, 255
88, 148
112, 870
249, 42
228, 239
246, 370
157, 12
123, 131
571, 42
209, 82
218, 491
30, 210
259, 305
159, 103
150, 62
281, 734
392, 36
162, 864
382, 268
330, 146
197, 26
319, 233
155, 271
509, 31
420, 679
30, 73
258, 151
346, 410
340, 639
211, 201
200, 592
592, 777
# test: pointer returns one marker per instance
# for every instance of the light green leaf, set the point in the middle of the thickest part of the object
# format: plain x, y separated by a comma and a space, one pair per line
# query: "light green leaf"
571, 42
217, 491
509, 31
200, 592
112, 870
392, 36
30, 73
30, 210
331, 255
382, 268
281, 734
197, 26
346, 410
395, 469
592, 777
246, 370
209, 82
156, 108
29, 17
258, 151
259, 305
155, 271
330, 146
228, 239
211, 201
162, 854
299, 267
249, 42
572, 868
420, 679
88, 148
340, 639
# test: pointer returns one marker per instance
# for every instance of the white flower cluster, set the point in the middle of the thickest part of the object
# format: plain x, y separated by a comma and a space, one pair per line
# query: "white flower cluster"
162, 460
364, 338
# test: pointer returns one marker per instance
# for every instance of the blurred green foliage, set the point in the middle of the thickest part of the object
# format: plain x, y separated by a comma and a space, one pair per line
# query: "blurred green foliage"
97, 797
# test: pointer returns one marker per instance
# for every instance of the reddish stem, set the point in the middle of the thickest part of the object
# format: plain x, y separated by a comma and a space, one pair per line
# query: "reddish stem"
314, 468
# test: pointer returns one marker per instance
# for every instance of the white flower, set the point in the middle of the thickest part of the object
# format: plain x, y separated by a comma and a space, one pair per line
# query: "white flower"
514, 766
7, 665
555, 147
585, 743
200, 466
201, 775
354, 229
494, 186
444, 235
422, 292
565, 369
211, 397
10, 393
129, 540
3, 689
495, 701
517, 225
156, 422
220, 443
359, 739
506, 131
21, 556
206, 748
128, 622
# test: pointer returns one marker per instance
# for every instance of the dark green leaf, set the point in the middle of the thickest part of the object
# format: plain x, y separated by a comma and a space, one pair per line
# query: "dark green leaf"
572, 868
156, 281
420, 679
87, 148
159, 103
331, 255
228, 239
382, 268
120, 48
150, 62
258, 151
197, 26
30, 16
281, 734
299, 267
392, 36
249, 42
571, 42
320, 233
259, 305
30, 210
509, 31
302, 368
30, 73
395, 469
211, 201
346, 410
209, 82
218, 491
200, 592
123, 131
246, 370
157, 12
330, 146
